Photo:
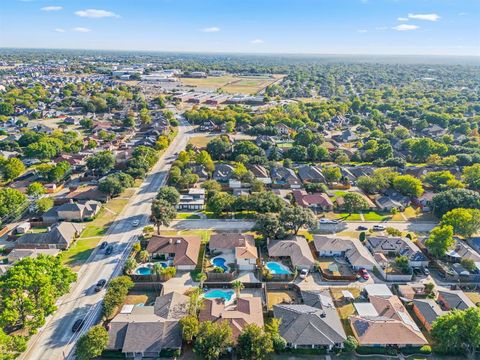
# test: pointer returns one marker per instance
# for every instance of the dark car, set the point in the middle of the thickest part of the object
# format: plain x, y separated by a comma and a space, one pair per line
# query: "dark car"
100, 284
103, 245
78, 325
109, 250
362, 228
364, 274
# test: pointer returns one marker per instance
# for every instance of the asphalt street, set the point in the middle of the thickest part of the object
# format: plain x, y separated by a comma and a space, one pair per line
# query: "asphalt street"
56, 340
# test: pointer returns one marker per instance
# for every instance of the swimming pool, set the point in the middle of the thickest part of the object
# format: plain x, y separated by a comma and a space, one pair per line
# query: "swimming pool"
143, 271
219, 294
220, 262
277, 268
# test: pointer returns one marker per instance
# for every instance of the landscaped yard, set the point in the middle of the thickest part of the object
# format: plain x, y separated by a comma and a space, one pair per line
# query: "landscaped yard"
343, 216
339, 270
375, 216
344, 307
79, 252
184, 216
99, 226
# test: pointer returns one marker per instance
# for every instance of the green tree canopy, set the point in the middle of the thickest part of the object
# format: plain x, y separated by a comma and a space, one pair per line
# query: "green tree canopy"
92, 344
440, 240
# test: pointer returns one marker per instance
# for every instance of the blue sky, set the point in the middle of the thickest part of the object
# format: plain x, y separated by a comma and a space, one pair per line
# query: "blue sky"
443, 27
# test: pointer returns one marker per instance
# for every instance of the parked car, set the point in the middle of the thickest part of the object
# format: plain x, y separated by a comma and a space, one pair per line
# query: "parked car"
362, 228
109, 250
327, 221
100, 284
378, 228
303, 273
78, 325
103, 245
135, 223
363, 273
426, 271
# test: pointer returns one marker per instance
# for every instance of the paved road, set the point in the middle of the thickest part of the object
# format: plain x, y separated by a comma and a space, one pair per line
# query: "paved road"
55, 340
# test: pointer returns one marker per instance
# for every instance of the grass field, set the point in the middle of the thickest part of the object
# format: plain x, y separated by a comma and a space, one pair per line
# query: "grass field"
184, 216
79, 252
201, 141
374, 216
233, 84
99, 226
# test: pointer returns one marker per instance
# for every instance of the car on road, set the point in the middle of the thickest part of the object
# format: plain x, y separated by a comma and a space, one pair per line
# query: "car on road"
378, 228
103, 245
78, 325
327, 221
362, 228
100, 284
303, 273
363, 273
135, 223
109, 250
426, 271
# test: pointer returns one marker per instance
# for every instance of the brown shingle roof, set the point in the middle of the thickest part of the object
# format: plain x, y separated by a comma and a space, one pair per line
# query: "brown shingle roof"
244, 245
185, 248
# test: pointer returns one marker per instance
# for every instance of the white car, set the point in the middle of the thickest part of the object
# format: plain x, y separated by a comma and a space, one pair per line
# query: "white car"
303, 273
135, 223
327, 221
378, 228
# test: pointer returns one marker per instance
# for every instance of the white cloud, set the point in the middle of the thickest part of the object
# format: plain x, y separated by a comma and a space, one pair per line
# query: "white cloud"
51, 8
362, 31
257, 41
211, 29
95, 13
59, 30
426, 17
81, 29
381, 28
405, 27
402, 19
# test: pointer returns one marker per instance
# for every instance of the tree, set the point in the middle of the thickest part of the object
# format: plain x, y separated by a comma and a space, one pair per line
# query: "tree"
354, 202
402, 263
295, 217
114, 184
35, 189
169, 194
458, 331
117, 291
10, 201
92, 344
351, 344
190, 326
219, 148
254, 343
101, 162
11, 345
145, 117
440, 240
6, 109
393, 231
144, 256
213, 339
130, 265
11, 168
455, 198
468, 264
439, 180
269, 226
332, 174
465, 222
44, 204
238, 286
408, 185
220, 202
162, 213
471, 176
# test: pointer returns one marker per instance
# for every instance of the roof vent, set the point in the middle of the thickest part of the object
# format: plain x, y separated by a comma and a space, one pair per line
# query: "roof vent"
178, 241
323, 315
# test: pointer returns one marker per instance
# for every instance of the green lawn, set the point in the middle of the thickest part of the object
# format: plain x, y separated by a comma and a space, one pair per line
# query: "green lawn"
375, 216
186, 216
79, 252
347, 216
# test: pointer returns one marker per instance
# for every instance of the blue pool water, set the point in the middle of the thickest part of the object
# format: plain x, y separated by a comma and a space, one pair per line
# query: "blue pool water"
220, 262
277, 268
219, 294
144, 271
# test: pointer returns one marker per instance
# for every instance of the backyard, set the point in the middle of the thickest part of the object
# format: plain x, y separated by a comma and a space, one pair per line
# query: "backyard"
344, 307
279, 297
334, 268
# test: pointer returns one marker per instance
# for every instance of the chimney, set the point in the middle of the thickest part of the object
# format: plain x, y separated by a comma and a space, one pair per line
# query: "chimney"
170, 241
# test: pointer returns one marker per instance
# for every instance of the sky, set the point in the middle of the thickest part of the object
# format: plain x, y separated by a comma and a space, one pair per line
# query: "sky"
391, 27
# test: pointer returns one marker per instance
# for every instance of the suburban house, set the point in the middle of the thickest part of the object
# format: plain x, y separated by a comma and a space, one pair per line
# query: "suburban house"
200, 171
392, 200
240, 246
311, 174
72, 211
313, 324
260, 173
247, 310
182, 250
223, 172
350, 249
317, 202
397, 246
60, 236
295, 249
19, 254
427, 311
144, 331
454, 299
286, 178
386, 323
283, 129
194, 200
